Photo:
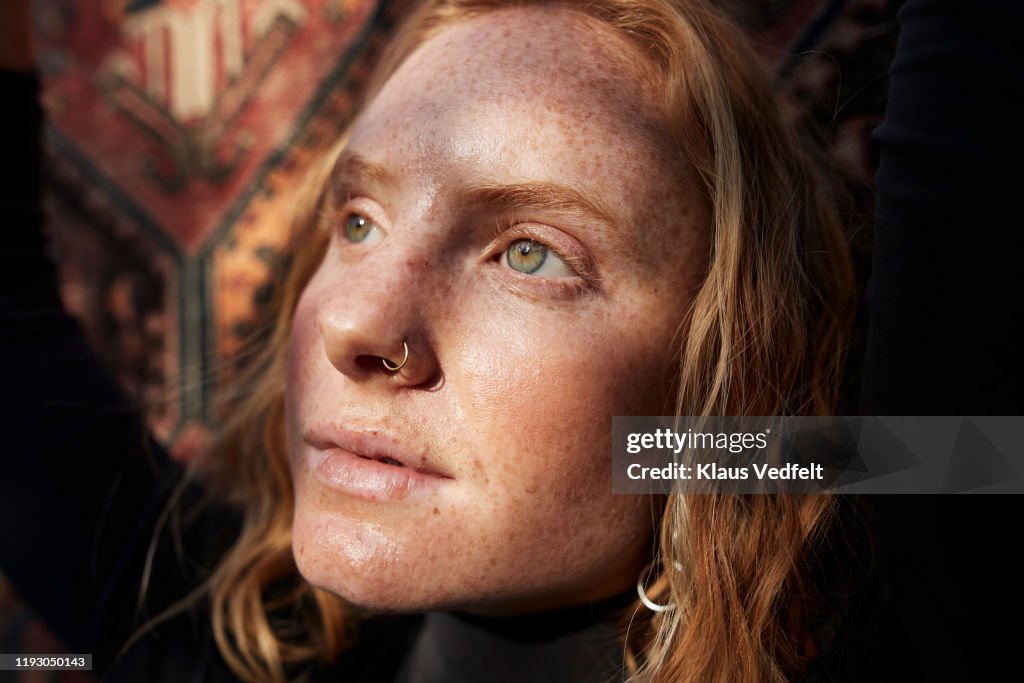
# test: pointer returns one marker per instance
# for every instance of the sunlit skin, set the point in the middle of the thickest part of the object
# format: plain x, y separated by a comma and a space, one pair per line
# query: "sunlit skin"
506, 208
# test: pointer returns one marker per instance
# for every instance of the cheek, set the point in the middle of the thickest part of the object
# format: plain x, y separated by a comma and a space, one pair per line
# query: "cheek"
304, 360
537, 379
539, 397
304, 344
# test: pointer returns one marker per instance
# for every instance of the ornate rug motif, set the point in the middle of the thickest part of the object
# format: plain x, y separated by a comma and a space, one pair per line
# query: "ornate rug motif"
182, 106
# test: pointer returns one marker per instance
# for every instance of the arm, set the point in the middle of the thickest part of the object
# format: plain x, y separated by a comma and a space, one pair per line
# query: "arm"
944, 295
945, 310
81, 484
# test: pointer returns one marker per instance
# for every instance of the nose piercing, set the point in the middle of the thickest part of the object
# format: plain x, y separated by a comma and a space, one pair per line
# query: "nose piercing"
396, 367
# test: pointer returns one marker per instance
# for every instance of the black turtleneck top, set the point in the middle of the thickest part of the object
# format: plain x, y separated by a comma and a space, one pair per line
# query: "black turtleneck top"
576, 644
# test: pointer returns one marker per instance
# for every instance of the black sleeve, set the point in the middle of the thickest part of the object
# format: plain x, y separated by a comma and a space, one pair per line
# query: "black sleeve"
944, 328
944, 297
81, 483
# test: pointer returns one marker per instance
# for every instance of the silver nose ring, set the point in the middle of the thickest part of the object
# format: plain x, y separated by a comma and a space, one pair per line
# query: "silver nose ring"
392, 367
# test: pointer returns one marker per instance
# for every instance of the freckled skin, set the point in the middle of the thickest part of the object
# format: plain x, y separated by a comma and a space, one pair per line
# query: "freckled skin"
511, 384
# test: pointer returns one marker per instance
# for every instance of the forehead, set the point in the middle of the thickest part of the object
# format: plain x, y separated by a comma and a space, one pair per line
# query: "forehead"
535, 65
547, 53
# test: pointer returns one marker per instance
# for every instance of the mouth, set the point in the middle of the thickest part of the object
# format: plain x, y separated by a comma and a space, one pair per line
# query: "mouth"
376, 445
372, 465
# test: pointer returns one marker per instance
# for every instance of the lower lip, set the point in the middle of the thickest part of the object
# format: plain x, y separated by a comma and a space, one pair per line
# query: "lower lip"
368, 479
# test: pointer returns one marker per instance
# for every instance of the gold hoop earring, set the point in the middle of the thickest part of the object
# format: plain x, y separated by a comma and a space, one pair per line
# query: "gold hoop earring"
391, 367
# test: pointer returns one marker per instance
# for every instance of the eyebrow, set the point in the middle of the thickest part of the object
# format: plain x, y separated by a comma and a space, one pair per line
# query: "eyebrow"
538, 195
352, 167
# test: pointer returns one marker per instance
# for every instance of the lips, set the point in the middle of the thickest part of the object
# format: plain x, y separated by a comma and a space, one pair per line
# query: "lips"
376, 444
372, 464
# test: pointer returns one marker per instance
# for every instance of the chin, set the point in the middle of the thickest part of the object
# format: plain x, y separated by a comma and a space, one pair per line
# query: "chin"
382, 592
358, 562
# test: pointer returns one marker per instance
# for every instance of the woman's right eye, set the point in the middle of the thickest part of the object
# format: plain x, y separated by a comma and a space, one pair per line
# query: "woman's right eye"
360, 229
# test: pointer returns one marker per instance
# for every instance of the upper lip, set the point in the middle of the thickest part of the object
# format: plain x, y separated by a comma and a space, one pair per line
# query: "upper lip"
376, 444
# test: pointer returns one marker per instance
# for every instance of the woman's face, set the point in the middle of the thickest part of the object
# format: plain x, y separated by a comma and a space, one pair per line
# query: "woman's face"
506, 208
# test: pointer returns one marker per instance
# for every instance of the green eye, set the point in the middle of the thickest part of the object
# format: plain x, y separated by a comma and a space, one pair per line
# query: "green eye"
358, 228
526, 256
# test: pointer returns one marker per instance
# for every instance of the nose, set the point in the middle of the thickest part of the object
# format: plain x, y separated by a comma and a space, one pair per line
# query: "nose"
373, 319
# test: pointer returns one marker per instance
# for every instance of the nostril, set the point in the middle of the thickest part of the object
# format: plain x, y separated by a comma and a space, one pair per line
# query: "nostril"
369, 363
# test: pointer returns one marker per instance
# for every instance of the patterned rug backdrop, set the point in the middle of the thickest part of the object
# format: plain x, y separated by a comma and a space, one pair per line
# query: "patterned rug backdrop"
179, 131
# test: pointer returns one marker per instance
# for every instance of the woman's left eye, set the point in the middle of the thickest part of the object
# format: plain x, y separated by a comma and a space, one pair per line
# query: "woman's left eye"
533, 258
360, 229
